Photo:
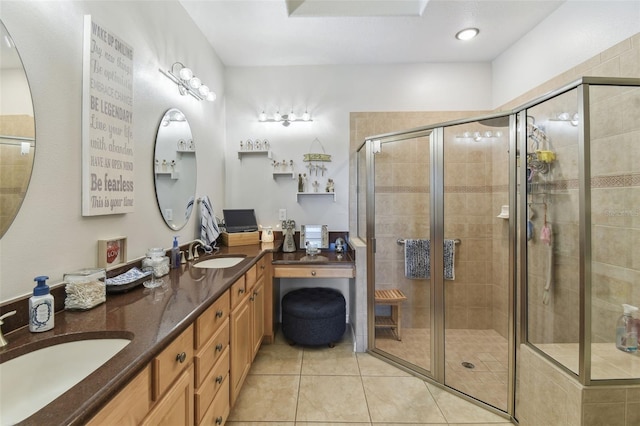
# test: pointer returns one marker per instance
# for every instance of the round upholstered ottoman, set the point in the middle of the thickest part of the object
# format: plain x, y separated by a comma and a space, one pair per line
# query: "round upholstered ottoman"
314, 316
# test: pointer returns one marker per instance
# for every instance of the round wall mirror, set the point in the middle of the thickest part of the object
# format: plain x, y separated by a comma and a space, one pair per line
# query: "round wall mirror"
17, 131
175, 169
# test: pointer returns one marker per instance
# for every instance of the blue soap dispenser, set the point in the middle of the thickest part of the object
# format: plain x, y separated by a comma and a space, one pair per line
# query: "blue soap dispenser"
41, 307
175, 253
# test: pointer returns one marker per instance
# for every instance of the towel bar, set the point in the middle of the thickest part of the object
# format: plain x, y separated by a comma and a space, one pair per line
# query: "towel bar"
456, 241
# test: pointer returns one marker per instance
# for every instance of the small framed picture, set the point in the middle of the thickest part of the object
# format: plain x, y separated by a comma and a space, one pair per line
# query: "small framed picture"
112, 252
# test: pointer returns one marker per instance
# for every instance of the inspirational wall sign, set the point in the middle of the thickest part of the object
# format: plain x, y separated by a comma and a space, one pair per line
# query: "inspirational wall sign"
107, 122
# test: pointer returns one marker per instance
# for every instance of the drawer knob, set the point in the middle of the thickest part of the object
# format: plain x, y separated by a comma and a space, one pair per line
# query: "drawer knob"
181, 357
255, 293
219, 379
313, 273
218, 347
219, 314
219, 420
241, 291
252, 298
262, 266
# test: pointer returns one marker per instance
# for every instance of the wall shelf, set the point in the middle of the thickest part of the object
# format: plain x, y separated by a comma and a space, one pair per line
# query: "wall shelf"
183, 151
261, 152
284, 174
172, 175
316, 194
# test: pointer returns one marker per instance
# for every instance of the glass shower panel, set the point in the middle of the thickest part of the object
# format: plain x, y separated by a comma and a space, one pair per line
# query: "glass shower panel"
402, 212
553, 219
615, 223
361, 193
476, 259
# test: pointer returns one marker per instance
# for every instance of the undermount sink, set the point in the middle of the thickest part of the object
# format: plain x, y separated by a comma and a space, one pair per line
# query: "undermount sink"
219, 262
33, 380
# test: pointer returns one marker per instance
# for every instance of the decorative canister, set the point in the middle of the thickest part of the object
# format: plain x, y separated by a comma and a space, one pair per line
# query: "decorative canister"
157, 260
85, 288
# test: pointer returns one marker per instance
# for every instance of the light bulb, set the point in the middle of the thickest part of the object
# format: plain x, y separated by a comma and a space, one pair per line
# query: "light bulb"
467, 34
306, 116
292, 116
488, 134
186, 74
262, 116
195, 83
277, 116
563, 116
203, 90
211, 96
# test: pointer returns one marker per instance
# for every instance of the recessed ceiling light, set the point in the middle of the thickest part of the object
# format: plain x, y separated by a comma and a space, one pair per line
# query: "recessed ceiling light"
467, 33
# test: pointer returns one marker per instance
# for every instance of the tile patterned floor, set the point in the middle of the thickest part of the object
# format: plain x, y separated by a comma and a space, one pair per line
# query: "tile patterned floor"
485, 349
292, 385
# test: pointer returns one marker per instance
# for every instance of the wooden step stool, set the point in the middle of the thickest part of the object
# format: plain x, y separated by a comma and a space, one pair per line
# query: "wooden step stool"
393, 298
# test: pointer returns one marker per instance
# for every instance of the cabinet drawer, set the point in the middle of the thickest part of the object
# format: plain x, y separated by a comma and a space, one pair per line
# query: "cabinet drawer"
219, 410
172, 361
251, 276
129, 406
261, 266
211, 320
211, 385
238, 291
206, 357
290, 271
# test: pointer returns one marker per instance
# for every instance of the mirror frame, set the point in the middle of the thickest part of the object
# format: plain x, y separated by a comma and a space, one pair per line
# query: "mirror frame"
16, 192
175, 169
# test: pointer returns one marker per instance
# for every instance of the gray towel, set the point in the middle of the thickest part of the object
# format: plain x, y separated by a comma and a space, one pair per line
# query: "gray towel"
417, 264
416, 259
449, 259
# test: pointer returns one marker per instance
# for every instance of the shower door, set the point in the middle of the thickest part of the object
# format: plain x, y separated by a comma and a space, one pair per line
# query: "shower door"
477, 284
440, 231
402, 212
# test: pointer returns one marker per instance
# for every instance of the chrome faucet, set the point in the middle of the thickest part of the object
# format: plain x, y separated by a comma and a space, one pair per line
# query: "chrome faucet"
193, 249
3, 341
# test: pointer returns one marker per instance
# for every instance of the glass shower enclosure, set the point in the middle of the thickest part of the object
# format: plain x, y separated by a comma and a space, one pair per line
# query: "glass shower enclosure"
510, 229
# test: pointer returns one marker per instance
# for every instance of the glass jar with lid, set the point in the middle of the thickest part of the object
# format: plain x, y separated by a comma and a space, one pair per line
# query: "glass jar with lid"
85, 288
157, 260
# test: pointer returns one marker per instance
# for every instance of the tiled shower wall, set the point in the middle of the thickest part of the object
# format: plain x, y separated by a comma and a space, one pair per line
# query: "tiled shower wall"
15, 168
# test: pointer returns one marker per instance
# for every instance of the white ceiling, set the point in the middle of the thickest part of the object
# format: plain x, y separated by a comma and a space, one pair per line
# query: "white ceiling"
308, 32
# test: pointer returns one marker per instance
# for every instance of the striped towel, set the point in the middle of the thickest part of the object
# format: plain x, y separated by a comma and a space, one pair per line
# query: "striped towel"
417, 264
209, 231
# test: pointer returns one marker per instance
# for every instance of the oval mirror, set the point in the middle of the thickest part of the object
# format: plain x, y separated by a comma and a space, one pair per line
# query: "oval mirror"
175, 169
17, 131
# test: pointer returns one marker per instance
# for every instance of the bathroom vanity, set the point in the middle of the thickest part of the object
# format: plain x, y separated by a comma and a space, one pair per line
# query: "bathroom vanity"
193, 340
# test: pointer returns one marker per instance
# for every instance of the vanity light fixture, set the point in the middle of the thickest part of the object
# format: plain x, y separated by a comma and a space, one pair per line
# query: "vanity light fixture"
479, 136
467, 34
285, 119
188, 83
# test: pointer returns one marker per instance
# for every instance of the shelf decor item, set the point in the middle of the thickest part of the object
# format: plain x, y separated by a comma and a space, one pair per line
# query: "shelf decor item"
317, 156
112, 252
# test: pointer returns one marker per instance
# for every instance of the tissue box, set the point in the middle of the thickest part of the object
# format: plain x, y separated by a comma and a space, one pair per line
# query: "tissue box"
240, 238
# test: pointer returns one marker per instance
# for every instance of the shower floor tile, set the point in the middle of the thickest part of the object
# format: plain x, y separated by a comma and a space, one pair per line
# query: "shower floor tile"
321, 386
486, 350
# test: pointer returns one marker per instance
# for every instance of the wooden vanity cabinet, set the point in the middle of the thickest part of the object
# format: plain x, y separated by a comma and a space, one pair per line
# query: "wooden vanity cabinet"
130, 406
265, 270
240, 328
175, 408
211, 399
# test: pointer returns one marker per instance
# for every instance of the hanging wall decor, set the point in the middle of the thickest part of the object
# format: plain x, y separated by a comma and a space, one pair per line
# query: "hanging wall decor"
107, 122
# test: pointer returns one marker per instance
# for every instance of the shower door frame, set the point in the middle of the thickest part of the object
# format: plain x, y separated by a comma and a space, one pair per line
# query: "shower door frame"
436, 372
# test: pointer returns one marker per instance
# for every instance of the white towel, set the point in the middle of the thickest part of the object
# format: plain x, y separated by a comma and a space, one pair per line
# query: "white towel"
209, 231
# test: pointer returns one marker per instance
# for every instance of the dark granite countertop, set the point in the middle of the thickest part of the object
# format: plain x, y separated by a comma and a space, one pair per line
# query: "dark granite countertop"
325, 257
151, 318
